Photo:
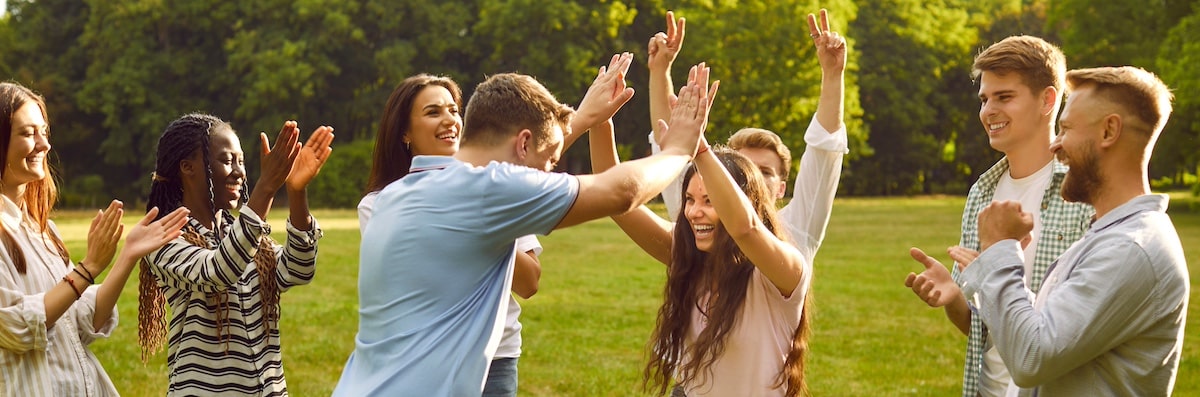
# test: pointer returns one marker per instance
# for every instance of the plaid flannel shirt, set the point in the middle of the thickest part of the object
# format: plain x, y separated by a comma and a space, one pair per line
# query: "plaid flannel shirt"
1062, 224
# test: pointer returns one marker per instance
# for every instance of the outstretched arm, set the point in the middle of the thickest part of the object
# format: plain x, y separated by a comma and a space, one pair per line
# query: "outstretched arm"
628, 185
661, 53
603, 99
651, 233
807, 215
779, 261
831, 55
145, 237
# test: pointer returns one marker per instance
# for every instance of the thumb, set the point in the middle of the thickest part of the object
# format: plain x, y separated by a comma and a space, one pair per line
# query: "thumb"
921, 256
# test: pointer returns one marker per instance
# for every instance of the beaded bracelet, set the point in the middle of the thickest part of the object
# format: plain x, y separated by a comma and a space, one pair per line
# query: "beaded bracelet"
71, 282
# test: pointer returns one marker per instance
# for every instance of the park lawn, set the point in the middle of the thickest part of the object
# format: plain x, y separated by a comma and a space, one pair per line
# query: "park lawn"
586, 329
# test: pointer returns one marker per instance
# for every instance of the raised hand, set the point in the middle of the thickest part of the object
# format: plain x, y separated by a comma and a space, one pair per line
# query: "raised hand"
277, 161
149, 234
1003, 220
607, 94
689, 112
311, 158
665, 46
962, 256
831, 47
934, 286
103, 235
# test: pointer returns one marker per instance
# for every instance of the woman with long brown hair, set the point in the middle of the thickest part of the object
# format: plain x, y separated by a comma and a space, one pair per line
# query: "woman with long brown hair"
735, 317
51, 310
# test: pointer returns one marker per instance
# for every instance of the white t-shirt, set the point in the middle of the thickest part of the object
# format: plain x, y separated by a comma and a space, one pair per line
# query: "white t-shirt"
1029, 191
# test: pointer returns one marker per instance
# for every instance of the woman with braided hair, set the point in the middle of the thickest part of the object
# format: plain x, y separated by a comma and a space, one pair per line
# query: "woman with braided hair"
223, 277
50, 309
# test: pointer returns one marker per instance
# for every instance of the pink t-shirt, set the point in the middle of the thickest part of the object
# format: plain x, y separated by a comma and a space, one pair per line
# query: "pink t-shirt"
757, 345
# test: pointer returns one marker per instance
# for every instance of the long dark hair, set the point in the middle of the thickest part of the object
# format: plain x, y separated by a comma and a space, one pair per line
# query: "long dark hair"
39, 195
182, 138
392, 157
721, 275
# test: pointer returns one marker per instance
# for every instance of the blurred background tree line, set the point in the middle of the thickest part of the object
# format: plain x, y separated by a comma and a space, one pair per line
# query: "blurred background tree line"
116, 72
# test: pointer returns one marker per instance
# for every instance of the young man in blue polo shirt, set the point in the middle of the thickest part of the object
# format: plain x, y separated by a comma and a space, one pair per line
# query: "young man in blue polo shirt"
436, 263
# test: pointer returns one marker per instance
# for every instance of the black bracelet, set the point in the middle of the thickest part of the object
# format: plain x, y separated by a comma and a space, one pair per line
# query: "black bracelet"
85, 277
89, 277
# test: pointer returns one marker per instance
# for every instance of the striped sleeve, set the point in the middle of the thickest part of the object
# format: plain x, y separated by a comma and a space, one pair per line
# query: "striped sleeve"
181, 265
297, 265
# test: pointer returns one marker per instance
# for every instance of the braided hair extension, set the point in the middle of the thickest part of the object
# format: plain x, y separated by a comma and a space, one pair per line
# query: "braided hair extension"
179, 141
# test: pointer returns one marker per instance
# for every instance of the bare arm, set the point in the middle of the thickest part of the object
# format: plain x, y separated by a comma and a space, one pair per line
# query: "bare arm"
607, 94
276, 164
661, 53
102, 238
647, 230
779, 261
145, 237
628, 185
526, 274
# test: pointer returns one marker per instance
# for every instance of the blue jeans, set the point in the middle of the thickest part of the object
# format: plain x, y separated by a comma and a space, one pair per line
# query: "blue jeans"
502, 378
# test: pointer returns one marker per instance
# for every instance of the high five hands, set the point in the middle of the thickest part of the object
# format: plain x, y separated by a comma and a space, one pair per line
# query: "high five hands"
831, 46
607, 94
689, 111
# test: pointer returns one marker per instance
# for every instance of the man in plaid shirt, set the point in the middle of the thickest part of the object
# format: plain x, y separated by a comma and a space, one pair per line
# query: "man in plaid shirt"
1021, 84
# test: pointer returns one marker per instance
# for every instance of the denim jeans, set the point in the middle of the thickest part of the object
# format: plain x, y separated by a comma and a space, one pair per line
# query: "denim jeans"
502, 378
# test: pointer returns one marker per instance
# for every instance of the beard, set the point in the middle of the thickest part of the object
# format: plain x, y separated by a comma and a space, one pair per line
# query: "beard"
1083, 181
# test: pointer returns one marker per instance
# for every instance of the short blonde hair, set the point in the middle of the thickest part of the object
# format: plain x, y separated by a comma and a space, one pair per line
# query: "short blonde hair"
1133, 89
1039, 63
758, 138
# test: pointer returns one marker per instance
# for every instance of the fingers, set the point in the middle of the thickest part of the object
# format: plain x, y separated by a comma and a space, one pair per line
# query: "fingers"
813, 31
677, 40
712, 93
266, 144
925, 259
908, 281
670, 24
824, 20
150, 215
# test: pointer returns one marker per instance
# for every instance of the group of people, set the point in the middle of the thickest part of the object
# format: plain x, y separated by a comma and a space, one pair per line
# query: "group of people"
461, 199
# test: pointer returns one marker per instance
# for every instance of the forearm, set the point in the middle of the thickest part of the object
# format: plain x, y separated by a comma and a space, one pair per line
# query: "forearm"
655, 173
261, 199
526, 274
736, 210
60, 298
959, 314
660, 97
831, 106
110, 290
298, 209
603, 148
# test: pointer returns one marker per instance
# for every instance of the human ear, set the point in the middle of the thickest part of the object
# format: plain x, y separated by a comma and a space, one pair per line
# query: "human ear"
524, 140
1049, 100
1113, 125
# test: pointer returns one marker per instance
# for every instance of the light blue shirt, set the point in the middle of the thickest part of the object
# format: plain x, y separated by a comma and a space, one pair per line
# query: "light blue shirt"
1109, 318
435, 267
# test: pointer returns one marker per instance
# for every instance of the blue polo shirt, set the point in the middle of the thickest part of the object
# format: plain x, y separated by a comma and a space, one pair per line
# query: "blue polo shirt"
435, 267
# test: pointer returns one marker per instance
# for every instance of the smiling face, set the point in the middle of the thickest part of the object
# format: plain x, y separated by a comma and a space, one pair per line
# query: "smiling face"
435, 125
1080, 127
1011, 112
700, 214
28, 144
227, 164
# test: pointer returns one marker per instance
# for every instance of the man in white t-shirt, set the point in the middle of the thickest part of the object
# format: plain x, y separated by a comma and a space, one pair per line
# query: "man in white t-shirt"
1021, 84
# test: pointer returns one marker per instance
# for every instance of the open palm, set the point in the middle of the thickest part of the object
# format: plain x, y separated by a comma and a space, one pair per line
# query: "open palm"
311, 158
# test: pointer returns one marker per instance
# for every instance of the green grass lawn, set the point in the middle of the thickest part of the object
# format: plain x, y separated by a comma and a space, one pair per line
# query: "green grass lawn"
586, 329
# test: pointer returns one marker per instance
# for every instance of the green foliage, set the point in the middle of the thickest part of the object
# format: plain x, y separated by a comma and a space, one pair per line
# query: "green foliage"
116, 72
344, 176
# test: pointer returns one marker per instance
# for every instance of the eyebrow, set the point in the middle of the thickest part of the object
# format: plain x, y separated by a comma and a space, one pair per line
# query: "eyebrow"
998, 93
438, 106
